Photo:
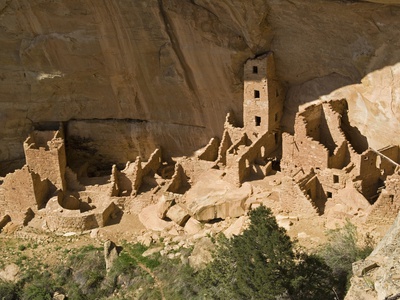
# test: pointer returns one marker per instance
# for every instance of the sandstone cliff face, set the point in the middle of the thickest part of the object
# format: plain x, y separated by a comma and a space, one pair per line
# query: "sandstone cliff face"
377, 277
179, 62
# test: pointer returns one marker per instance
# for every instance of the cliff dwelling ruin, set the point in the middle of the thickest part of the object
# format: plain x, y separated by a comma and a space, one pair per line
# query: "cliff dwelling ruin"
324, 169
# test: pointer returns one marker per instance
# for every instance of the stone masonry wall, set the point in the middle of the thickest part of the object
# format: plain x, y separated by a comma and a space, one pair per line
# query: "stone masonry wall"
386, 208
260, 149
24, 189
47, 160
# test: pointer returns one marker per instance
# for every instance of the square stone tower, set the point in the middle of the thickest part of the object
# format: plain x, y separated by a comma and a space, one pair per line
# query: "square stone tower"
263, 96
45, 155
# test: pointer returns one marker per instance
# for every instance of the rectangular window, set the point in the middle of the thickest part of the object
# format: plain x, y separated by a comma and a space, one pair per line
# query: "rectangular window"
255, 70
276, 117
329, 195
256, 94
258, 121
335, 179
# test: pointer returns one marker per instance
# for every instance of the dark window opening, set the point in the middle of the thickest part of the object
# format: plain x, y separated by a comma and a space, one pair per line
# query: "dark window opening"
255, 70
258, 121
256, 94
276, 165
309, 193
276, 136
329, 195
277, 93
335, 179
276, 117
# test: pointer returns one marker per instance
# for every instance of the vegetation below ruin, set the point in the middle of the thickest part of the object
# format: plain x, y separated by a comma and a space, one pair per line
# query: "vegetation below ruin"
262, 263
342, 250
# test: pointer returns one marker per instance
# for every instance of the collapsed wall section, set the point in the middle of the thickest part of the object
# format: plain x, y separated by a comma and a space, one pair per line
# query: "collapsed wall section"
23, 190
387, 206
260, 150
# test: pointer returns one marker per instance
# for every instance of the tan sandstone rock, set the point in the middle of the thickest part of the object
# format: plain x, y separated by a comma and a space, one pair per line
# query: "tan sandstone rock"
164, 203
179, 214
213, 198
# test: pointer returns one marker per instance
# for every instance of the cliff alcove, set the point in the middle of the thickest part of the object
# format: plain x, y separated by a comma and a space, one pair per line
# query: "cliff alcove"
184, 115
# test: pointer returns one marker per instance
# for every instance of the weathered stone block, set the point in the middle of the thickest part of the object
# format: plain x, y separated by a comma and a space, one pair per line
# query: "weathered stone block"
179, 214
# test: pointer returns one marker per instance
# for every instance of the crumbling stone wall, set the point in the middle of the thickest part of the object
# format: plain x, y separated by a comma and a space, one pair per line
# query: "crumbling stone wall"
129, 180
318, 140
388, 167
225, 144
386, 208
4, 220
332, 180
292, 198
302, 152
236, 150
179, 183
59, 219
369, 174
340, 157
24, 189
210, 151
45, 155
258, 151
153, 163
114, 182
313, 190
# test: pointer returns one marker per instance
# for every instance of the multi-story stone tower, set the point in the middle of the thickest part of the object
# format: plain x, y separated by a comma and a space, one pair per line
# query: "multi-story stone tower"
262, 99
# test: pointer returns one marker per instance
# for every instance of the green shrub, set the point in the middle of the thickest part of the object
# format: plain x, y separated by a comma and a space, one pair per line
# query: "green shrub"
8, 290
262, 264
344, 248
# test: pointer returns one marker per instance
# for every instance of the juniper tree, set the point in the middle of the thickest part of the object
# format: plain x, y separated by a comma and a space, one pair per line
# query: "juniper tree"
262, 264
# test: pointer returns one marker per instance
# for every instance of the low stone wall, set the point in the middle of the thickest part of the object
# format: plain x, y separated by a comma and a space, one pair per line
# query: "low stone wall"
69, 220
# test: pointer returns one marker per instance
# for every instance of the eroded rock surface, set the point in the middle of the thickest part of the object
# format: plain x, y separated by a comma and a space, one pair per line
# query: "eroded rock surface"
150, 60
380, 272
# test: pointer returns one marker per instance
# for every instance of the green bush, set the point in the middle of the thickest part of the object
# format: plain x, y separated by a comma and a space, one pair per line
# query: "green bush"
262, 264
344, 248
8, 290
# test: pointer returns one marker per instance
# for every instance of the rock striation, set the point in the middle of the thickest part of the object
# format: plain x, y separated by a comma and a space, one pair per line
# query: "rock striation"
150, 61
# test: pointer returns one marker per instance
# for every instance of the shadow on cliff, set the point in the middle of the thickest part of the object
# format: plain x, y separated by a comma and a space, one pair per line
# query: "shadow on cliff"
325, 46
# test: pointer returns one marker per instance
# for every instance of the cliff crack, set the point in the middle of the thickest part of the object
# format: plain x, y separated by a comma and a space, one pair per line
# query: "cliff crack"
7, 5
205, 8
393, 100
188, 74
